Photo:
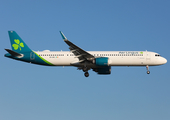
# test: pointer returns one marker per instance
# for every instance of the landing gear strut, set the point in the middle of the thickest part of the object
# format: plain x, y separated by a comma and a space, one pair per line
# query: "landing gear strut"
86, 74
147, 67
85, 69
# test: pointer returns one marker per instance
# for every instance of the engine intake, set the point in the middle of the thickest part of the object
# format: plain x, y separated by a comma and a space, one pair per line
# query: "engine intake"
103, 61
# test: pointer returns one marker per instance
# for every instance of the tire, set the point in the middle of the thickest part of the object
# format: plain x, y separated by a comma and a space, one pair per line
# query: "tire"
148, 72
86, 74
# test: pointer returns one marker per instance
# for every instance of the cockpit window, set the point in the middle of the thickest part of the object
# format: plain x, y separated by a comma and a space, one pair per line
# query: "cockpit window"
157, 55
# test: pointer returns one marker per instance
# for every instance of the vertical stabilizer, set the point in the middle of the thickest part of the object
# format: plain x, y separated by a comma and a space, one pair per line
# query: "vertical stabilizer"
17, 44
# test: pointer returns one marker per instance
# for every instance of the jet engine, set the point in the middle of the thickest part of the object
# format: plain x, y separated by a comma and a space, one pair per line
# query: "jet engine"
102, 61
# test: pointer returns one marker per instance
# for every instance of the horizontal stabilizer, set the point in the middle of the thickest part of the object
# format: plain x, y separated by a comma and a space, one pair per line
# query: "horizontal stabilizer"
13, 53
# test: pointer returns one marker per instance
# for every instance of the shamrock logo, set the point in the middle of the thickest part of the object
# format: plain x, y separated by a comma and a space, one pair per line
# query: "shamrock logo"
18, 44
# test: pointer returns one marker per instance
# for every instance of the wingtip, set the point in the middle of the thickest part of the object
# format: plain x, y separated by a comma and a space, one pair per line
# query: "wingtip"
63, 36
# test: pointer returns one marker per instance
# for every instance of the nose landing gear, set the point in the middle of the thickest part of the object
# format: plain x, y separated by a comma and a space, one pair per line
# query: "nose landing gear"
148, 72
147, 67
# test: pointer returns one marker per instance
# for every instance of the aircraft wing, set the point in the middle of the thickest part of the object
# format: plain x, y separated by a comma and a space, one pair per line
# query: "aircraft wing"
81, 54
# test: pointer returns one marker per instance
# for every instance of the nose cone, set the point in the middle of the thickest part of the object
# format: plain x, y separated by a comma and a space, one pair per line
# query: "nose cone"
164, 60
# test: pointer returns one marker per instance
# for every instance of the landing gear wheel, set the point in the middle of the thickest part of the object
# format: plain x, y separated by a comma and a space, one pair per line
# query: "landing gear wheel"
86, 74
147, 67
148, 72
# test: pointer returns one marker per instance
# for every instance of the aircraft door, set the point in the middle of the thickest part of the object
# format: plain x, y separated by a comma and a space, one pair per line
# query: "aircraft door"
32, 56
148, 56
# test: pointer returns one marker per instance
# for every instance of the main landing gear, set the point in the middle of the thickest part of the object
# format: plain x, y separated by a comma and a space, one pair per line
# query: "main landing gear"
85, 69
147, 67
86, 74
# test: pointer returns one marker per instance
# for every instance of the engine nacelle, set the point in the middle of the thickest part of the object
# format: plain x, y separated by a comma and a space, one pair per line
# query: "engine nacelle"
104, 70
103, 61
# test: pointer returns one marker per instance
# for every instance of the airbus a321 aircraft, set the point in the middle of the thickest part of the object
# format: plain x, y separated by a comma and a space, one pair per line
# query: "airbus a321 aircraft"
98, 61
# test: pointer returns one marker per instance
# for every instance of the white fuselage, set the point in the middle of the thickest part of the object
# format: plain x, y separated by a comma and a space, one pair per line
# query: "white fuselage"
98, 61
116, 58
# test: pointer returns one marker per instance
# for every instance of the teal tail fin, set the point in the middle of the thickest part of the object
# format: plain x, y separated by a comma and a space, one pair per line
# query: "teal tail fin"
17, 44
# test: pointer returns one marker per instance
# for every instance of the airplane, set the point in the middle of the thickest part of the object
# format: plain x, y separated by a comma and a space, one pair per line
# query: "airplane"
98, 61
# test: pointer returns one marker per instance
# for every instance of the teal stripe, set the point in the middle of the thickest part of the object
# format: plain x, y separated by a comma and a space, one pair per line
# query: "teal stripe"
44, 59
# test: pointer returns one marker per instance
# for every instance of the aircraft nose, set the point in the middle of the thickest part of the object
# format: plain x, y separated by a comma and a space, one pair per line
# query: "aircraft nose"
164, 60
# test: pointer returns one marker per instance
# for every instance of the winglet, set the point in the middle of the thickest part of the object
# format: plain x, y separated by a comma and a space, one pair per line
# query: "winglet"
64, 37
